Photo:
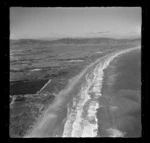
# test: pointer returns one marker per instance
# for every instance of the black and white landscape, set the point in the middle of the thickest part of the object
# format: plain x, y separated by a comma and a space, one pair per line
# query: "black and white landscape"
75, 72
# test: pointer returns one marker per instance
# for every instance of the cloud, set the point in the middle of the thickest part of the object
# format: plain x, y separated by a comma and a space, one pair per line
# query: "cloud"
133, 32
51, 33
99, 32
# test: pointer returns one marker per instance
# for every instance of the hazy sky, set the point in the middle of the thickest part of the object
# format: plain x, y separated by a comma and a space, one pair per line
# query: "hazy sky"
59, 22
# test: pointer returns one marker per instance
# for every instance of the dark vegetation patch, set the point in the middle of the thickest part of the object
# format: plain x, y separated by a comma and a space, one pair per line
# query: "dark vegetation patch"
26, 87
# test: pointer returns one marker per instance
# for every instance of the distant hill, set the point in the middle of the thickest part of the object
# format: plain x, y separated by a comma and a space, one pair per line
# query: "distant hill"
71, 41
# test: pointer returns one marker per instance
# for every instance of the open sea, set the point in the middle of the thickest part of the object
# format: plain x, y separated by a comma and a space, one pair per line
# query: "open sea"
122, 81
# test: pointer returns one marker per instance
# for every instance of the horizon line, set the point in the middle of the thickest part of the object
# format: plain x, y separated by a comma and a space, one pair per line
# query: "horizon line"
76, 37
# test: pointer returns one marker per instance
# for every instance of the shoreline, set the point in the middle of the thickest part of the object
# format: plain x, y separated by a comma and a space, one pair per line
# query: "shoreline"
69, 89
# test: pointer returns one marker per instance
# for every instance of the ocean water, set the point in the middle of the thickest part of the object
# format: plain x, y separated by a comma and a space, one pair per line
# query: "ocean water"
124, 72
129, 70
122, 84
